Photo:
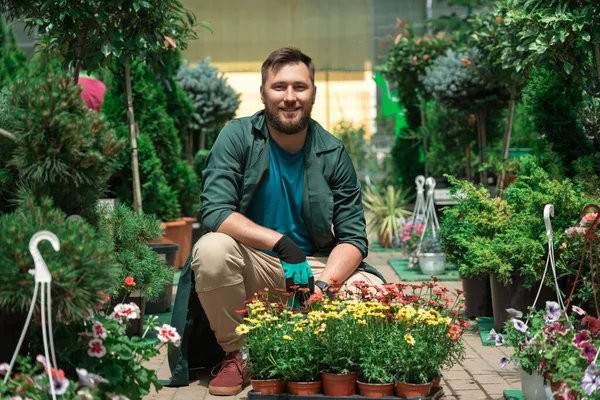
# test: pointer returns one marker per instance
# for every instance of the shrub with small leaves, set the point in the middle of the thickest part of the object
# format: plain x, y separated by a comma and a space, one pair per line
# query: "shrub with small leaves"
130, 232
83, 267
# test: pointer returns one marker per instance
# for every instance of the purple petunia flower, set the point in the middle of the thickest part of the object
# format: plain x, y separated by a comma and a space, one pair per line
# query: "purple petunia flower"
588, 351
492, 335
590, 382
89, 380
503, 362
552, 311
514, 313
578, 310
519, 325
581, 337
499, 340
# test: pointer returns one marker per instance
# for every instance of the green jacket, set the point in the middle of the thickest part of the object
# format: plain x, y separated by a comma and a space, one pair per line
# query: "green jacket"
235, 168
239, 161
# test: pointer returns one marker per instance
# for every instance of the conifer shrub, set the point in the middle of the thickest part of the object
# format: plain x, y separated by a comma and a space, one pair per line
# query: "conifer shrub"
130, 232
83, 267
215, 102
62, 149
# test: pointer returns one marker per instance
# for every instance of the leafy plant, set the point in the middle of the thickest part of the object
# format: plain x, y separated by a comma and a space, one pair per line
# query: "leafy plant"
215, 102
130, 232
385, 210
469, 228
353, 139
552, 99
84, 266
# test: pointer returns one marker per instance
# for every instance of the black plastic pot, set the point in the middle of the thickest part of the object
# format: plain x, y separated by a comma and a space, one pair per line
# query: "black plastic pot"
167, 252
478, 296
514, 295
11, 326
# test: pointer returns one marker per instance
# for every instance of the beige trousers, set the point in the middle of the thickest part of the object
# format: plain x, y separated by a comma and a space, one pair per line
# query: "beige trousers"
227, 273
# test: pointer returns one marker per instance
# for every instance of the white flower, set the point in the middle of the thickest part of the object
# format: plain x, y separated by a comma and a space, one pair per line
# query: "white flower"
552, 311
99, 331
84, 394
492, 335
499, 340
127, 311
519, 325
89, 314
167, 333
4, 368
578, 310
96, 348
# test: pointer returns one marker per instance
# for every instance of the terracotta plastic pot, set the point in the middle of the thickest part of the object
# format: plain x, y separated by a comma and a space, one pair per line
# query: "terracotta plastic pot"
175, 232
413, 390
375, 389
267, 386
339, 384
304, 388
186, 245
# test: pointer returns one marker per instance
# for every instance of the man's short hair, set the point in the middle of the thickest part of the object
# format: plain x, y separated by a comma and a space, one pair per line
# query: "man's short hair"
285, 56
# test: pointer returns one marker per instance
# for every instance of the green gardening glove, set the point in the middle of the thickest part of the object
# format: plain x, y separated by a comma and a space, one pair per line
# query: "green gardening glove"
296, 268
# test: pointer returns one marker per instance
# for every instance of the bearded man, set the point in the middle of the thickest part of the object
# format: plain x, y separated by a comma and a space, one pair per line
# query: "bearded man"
282, 204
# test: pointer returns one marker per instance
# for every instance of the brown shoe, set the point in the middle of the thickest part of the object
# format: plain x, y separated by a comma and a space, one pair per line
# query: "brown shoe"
231, 378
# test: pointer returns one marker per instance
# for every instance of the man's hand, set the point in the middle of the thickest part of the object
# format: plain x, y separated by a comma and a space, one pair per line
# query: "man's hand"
296, 268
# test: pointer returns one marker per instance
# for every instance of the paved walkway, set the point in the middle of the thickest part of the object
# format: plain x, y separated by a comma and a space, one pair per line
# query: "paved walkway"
478, 376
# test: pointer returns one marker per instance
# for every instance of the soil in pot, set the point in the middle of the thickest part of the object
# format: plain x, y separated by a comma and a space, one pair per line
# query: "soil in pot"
375, 389
478, 296
339, 384
304, 388
267, 386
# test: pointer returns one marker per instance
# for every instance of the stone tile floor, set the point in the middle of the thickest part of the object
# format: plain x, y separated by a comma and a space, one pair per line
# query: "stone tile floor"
477, 377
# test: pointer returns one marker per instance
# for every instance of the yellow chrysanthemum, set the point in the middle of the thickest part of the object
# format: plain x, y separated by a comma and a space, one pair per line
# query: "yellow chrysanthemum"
409, 339
242, 329
361, 322
287, 337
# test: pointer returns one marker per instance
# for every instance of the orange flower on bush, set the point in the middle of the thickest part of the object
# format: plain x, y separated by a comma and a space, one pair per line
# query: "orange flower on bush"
129, 281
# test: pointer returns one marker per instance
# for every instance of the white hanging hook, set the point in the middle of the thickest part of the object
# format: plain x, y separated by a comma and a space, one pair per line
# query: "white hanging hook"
41, 272
43, 279
548, 213
430, 185
420, 181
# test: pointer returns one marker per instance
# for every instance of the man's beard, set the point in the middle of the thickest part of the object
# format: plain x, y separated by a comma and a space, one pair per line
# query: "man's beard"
288, 127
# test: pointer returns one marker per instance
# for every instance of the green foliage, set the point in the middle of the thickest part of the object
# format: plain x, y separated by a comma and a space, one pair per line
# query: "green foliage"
586, 179
353, 139
552, 99
84, 265
215, 102
130, 232
449, 132
97, 33
62, 150
564, 31
408, 161
406, 61
169, 186
12, 59
385, 210
481, 234
527, 354
200, 161
468, 229
463, 80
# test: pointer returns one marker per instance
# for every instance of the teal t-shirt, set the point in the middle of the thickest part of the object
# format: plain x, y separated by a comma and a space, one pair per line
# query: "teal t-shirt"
277, 204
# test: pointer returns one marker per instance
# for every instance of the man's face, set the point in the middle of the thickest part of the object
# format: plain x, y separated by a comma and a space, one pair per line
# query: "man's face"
288, 95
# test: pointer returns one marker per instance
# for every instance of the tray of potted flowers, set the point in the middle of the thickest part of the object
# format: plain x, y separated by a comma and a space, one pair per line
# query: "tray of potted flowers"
387, 341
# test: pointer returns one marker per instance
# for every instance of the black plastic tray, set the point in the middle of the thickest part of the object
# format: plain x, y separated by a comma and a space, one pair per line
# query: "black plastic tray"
436, 394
